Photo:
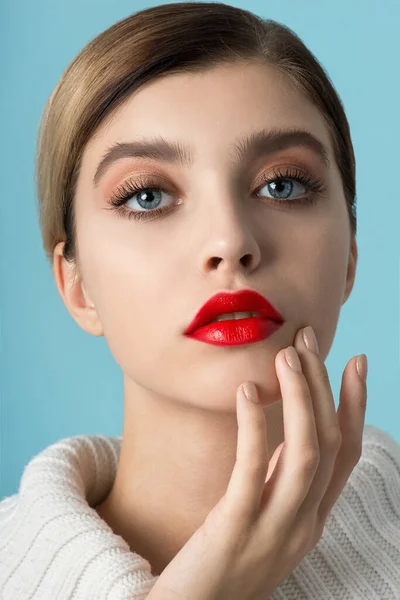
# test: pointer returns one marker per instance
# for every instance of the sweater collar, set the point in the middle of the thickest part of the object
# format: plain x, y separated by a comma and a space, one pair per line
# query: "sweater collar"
60, 488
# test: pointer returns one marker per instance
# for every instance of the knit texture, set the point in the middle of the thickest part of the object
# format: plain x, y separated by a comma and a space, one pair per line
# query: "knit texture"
54, 546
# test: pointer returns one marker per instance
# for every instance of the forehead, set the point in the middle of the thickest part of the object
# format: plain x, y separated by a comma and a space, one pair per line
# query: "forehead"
209, 111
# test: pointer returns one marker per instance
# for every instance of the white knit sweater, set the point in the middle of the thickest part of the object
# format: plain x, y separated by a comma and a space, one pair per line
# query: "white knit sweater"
54, 546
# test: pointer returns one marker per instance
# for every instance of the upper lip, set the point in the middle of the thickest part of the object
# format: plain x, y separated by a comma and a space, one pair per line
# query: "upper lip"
233, 301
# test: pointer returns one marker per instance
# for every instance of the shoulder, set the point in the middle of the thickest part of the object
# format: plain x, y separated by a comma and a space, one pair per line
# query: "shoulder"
377, 473
52, 516
88, 461
380, 450
82, 466
8, 506
372, 492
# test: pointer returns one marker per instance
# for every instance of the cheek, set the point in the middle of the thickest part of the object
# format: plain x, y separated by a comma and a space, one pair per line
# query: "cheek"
324, 286
134, 300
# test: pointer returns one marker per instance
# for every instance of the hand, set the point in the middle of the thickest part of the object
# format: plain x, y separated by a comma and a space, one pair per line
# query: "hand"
273, 512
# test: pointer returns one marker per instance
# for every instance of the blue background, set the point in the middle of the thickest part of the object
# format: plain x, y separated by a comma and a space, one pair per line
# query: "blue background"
55, 379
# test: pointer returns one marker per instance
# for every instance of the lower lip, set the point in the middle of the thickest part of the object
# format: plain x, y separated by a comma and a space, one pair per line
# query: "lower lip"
236, 332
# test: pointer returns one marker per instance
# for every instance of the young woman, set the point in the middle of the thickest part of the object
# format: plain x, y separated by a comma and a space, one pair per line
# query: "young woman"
196, 184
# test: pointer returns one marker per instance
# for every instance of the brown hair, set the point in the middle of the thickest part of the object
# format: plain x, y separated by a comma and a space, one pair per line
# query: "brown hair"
181, 37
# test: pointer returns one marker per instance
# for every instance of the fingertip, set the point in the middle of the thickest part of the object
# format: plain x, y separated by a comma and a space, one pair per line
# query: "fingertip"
362, 367
280, 359
250, 391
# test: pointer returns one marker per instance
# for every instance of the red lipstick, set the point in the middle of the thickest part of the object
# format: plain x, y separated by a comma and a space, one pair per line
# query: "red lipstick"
234, 332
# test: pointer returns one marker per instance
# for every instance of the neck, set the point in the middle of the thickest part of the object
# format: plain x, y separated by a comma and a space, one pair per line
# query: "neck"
175, 465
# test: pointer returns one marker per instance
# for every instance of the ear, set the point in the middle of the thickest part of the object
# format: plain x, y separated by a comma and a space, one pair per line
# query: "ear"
351, 269
73, 293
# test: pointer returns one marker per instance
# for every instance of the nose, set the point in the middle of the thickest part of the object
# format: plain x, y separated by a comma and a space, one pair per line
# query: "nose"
231, 247
245, 261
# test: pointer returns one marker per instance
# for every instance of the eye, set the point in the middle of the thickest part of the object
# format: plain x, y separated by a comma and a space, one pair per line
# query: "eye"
283, 188
283, 184
148, 198
145, 197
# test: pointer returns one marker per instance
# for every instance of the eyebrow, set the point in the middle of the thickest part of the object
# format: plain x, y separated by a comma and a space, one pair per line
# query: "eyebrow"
259, 143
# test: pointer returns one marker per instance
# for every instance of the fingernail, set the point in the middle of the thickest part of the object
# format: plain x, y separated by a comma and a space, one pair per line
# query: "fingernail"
362, 366
292, 358
310, 340
250, 391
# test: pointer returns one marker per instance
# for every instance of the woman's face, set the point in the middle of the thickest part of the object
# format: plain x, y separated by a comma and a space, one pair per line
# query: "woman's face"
147, 278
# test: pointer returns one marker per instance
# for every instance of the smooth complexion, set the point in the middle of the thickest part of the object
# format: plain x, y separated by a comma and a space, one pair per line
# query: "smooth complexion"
141, 282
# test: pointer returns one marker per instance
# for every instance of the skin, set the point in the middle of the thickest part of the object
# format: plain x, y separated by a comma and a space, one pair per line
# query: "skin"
141, 283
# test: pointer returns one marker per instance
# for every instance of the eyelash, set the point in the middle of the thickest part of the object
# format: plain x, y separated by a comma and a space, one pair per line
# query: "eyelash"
315, 187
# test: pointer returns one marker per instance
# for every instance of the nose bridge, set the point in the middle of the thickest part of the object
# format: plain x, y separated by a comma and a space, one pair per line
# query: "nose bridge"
229, 237
224, 202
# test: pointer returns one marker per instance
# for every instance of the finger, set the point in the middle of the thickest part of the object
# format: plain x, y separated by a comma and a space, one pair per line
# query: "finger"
246, 484
274, 460
351, 417
298, 460
328, 430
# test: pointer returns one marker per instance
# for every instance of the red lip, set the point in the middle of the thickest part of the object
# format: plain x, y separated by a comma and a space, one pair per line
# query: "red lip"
236, 301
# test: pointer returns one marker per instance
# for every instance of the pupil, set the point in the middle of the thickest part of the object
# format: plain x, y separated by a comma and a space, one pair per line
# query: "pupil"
147, 199
279, 186
144, 196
